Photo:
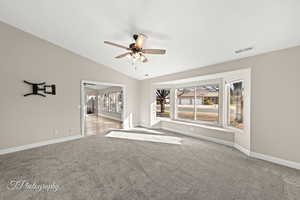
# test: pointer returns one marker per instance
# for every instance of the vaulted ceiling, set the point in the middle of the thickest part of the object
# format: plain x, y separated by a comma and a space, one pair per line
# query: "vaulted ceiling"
196, 33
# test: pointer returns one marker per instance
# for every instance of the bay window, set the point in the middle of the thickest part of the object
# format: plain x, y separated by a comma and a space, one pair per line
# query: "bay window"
219, 100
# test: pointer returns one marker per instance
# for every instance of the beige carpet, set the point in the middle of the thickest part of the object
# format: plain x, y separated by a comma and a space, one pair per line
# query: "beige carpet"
106, 168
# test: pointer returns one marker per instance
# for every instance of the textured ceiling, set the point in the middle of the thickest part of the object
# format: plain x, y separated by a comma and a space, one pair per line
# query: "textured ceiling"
195, 33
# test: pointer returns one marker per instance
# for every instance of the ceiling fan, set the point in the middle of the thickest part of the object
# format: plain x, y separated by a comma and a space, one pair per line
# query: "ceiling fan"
136, 51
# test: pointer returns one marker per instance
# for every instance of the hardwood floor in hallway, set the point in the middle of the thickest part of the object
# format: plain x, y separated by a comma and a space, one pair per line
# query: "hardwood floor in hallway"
96, 124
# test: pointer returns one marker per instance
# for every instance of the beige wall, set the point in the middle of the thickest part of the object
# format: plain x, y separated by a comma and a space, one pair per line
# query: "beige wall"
25, 120
145, 102
275, 100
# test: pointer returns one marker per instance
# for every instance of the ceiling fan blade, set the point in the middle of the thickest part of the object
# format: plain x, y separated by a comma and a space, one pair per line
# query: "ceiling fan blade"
117, 45
143, 58
154, 51
140, 40
123, 55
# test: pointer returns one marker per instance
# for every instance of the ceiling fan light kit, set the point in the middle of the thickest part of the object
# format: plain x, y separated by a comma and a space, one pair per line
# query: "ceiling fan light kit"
136, 51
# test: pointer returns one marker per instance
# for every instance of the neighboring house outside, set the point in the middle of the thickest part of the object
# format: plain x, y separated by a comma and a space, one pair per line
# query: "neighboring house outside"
203, 97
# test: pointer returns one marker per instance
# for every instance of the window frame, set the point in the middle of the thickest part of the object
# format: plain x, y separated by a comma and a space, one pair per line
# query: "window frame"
206, 82
227, 113
171, 110
110, 102
119, 106
175, 113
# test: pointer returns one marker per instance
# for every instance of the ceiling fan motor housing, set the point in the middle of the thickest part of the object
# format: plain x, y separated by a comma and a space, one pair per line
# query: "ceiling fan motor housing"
133, 48
132, 45
135, 36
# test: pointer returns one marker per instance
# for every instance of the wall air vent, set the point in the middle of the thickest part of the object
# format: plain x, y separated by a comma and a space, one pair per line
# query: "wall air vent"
243, 50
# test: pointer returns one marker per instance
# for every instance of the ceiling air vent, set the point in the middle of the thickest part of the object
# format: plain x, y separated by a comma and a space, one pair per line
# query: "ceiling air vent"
243, 50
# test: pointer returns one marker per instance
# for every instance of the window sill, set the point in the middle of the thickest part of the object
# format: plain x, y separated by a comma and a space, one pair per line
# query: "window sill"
212, 127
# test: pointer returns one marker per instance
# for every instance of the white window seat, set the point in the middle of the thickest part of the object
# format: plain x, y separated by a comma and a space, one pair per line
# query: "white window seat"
196, 124
207, 132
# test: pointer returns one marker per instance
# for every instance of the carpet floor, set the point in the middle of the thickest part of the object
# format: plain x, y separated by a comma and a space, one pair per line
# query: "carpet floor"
111, 168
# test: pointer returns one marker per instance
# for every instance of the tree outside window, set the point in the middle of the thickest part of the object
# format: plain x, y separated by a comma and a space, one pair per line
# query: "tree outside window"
162, 102
236, 104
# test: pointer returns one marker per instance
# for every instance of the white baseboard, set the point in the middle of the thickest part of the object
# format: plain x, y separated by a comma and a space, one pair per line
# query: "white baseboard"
278, 161
39, 144
242, 149
210, 139
249, 153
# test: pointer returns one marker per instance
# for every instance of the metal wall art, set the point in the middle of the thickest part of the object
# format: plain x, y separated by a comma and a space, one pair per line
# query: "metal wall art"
36, 87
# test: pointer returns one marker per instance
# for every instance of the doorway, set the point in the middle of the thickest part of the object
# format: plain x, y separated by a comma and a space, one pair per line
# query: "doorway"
102, 107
